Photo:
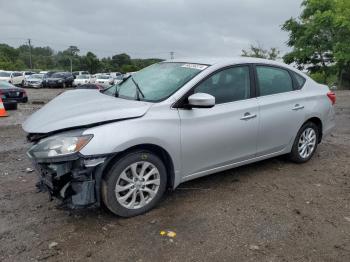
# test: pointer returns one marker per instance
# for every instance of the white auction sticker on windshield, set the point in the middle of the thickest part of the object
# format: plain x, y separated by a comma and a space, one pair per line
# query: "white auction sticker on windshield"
195, 66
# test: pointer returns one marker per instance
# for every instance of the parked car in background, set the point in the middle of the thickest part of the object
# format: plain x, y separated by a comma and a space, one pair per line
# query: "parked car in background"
104, 80
15, 78
9, 93
60, 79
82, 79
118, 79
128, 74
90, 86
172, 122
78, 73
35, 80
26, 74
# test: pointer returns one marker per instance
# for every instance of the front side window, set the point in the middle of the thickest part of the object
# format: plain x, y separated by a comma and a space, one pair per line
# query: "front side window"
273, 80
158, 81
228, 85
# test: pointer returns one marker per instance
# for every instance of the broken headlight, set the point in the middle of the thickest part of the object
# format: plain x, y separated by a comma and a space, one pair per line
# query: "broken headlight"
60, 145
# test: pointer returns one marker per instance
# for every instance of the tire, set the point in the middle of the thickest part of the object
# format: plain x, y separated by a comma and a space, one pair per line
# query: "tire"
10, 105
296, 155
121, 174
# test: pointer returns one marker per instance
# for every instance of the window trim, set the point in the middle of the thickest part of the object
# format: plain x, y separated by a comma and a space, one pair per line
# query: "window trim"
181, 102
296, 81
257, 87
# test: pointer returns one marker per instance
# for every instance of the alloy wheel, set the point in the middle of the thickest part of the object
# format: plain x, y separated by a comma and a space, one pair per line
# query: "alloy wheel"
137, 185
307, 143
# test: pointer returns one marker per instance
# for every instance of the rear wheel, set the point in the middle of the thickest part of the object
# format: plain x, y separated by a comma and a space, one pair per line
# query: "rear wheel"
134, 184
305, 143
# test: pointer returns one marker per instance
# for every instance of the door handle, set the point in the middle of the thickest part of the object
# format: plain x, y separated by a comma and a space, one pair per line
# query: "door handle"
297, 107
248, 116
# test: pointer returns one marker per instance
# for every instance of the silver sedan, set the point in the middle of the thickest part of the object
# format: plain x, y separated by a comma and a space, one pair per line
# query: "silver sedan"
172, 122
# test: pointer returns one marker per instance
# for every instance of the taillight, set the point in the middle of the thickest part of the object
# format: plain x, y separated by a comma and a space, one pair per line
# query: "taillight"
332, 97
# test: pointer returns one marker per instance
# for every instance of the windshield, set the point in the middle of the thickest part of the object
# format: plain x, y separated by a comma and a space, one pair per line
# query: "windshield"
158, 81
36, 76
82, 77
57, 75
103, 77
5, 74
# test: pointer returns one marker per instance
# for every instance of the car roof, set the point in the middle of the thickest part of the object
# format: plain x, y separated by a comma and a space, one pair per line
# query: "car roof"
224, 60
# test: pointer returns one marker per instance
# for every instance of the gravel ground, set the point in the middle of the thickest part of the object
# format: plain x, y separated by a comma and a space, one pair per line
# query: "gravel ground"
273, 210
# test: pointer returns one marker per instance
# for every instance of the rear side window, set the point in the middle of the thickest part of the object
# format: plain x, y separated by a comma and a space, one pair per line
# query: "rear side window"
300, 80
273, 80
228, 85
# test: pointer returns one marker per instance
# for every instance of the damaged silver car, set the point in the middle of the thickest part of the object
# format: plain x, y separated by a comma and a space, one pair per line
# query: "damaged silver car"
172, 122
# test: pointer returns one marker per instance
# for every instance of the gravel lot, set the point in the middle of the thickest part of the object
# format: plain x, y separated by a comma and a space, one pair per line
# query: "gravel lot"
273, 210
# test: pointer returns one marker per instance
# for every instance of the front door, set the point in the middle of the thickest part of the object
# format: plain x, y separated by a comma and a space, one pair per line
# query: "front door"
225, 134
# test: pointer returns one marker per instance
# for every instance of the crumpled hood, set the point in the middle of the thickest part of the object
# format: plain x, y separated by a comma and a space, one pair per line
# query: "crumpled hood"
80, 108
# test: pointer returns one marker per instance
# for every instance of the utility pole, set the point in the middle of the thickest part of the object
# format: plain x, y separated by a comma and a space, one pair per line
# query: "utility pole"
172, 53
30, 54
71, 64
71, 60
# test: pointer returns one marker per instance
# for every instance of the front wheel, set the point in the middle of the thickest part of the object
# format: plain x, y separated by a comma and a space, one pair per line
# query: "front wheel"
134, 184
305, 143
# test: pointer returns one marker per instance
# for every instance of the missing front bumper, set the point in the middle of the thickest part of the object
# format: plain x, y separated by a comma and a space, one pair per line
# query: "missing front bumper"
75, 183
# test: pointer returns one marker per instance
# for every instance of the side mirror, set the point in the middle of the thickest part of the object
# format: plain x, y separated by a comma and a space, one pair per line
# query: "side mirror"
201, 100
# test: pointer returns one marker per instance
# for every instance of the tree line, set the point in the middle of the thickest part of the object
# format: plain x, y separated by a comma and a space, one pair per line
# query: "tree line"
26, 57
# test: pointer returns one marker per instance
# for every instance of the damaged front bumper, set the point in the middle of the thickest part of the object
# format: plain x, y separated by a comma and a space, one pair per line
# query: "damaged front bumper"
76, 181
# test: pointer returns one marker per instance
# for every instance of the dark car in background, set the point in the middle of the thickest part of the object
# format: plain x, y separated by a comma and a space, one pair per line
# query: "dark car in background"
60, 79
11, 95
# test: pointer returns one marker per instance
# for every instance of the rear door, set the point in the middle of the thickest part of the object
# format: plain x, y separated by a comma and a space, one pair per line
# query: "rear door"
281, 109
212, 138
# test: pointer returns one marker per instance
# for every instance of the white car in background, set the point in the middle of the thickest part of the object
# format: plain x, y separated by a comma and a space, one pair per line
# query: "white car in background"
15, 78
82, 79
104, 80
27, 74
118, 79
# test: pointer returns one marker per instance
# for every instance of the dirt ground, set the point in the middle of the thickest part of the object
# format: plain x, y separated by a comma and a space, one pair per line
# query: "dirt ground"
273, 210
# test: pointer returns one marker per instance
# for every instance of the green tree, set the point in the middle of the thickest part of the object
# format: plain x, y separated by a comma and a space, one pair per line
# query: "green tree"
91, 62
320, 38
260, 52
120, 60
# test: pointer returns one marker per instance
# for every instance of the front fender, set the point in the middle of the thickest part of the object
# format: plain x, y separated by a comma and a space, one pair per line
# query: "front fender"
162, 131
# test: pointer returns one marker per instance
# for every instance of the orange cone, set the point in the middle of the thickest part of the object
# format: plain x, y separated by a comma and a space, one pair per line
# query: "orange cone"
2, 109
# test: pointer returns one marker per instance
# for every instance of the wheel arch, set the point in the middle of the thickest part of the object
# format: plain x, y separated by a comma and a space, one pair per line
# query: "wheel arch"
318, 122
157, 150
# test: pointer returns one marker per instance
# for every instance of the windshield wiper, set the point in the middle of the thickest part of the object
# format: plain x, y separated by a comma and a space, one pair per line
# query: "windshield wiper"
116, 94
138, 89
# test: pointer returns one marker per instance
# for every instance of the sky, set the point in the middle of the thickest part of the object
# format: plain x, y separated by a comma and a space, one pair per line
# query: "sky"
148, 28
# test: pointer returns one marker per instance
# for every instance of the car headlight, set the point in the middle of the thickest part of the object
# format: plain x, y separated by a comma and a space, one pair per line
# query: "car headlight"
60, 81
59, 146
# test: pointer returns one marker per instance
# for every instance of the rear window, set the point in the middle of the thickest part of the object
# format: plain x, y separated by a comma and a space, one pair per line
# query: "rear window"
5, 74
5, 85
